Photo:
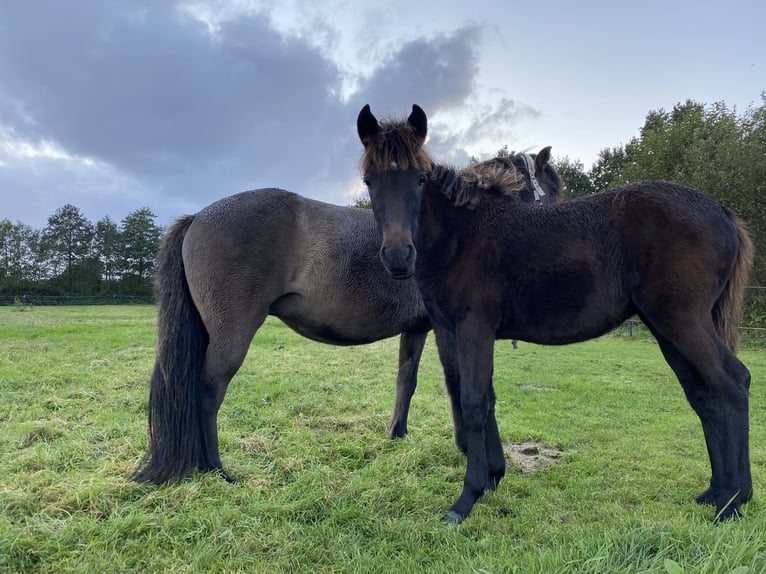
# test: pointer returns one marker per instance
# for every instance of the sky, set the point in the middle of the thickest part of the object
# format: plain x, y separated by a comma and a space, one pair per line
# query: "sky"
113, 106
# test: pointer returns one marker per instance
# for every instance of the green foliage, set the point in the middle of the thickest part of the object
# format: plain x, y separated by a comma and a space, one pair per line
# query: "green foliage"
610, 168
574, 176
107, 244
19, 305
321, 487
754, 309
140, 240
67, 239
363, 201
22, 258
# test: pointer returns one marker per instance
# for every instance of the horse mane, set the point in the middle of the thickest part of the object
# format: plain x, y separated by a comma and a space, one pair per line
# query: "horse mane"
465, 187
396, 143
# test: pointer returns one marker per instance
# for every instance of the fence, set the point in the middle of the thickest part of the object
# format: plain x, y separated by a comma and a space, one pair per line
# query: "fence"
754, 316
753, 320
53, 300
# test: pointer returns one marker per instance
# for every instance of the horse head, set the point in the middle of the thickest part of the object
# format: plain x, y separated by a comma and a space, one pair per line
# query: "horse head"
543, 183
395, 168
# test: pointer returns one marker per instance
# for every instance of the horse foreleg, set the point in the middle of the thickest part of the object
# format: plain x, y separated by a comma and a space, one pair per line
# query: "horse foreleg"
446, 345
493, 445
411, 345
475, 345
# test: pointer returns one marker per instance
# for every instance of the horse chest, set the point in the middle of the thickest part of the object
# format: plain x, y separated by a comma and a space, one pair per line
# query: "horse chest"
449, 294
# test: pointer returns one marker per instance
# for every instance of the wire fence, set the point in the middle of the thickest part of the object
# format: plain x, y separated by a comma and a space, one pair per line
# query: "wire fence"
753, 324
33, 300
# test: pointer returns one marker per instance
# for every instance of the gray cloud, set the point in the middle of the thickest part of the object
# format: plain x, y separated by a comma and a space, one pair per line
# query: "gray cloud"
483, 123
147, 107
436, 73
497, 123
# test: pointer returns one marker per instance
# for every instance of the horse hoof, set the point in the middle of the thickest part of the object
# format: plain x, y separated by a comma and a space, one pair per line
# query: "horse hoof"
225, 475
706, 497
728, 513
453, 517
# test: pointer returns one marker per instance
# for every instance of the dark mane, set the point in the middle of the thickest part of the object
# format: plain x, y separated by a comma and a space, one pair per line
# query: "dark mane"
465, 187
395, 142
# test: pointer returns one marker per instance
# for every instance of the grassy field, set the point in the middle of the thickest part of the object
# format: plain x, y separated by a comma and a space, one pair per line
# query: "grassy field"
321, 489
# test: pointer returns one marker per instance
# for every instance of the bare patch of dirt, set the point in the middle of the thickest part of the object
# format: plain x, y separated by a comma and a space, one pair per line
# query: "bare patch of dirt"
532, 457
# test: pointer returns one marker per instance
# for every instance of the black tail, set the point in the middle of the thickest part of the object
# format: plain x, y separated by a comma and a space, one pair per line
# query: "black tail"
175, 432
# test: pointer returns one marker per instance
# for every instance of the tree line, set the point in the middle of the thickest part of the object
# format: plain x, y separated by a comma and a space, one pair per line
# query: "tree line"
73, 256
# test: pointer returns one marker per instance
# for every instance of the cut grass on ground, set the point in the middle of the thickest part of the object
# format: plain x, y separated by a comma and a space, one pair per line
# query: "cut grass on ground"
321, 489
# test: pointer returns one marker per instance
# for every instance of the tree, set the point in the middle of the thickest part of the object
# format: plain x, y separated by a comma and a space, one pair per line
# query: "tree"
5, 252
68, 238
363, 201
610, 168
140, 241
21, 262
574, 176
107, 247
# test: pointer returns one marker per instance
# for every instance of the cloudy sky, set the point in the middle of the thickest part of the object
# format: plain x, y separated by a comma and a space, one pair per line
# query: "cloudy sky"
117, 105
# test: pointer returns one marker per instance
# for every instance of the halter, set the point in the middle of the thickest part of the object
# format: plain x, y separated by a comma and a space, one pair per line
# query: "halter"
529, 162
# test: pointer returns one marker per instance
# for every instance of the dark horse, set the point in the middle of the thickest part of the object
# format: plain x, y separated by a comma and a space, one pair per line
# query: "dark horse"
489, 267
271, 252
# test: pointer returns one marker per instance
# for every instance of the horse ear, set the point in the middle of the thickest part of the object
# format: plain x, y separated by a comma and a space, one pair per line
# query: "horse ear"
367, 124
542, 158
419, 121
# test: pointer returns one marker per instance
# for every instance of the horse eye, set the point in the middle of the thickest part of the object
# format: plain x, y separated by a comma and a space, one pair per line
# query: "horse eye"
367, 181
421, 179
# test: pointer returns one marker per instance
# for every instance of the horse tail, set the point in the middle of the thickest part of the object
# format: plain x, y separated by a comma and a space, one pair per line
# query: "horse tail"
175, 431
727, 312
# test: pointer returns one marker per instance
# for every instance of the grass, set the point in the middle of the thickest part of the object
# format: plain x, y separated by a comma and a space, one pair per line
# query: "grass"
321, 489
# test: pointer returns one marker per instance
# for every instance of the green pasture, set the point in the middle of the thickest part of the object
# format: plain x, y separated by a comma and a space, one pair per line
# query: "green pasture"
321, 488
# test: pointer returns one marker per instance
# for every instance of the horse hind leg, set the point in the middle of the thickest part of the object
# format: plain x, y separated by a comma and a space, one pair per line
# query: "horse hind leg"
227, 349
716, 385
411, 345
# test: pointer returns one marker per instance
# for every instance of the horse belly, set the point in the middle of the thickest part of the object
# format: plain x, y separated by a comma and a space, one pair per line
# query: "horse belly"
560, 307
338, 317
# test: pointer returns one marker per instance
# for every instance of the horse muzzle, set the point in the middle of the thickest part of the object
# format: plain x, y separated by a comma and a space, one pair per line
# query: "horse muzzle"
399, 260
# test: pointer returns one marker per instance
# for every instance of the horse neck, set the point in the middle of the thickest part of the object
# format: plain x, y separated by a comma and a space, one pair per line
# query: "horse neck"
437, 222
